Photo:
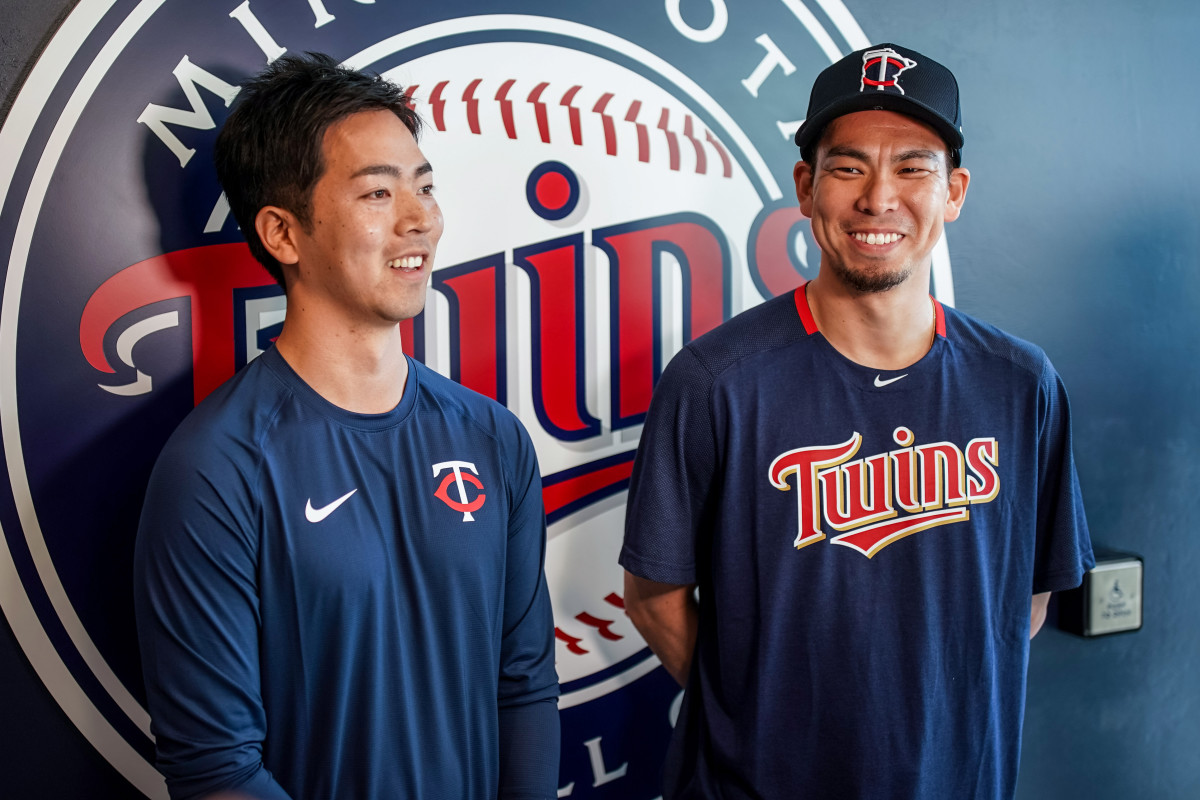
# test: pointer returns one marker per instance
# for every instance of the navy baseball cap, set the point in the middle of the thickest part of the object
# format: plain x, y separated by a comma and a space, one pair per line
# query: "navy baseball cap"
885, 77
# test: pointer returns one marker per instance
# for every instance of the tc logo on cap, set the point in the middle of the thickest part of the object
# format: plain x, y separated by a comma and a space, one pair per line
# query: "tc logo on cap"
885, 64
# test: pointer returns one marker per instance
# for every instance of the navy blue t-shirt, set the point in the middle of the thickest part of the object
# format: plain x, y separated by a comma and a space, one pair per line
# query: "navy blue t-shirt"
340, 605
866, 545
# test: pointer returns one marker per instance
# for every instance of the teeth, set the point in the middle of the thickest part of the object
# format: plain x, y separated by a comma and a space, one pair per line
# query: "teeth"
878, 238
408, 262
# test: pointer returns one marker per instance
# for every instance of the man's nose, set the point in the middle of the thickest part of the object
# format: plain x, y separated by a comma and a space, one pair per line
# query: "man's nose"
416, 213
879, 194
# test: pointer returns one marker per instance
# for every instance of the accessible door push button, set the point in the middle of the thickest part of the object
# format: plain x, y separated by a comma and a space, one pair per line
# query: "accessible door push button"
1108, 601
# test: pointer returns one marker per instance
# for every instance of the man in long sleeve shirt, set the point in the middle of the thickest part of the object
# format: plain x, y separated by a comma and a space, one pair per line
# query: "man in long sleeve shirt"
339, 571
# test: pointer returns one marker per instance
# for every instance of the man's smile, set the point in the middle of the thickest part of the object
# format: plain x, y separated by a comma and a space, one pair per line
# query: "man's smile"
407, 263
878, 238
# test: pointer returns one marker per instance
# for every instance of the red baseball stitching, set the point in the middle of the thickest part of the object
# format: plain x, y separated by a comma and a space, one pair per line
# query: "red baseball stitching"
439, 98
601, 624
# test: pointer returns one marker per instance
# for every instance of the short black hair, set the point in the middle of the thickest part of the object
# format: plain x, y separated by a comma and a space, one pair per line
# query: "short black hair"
270, 150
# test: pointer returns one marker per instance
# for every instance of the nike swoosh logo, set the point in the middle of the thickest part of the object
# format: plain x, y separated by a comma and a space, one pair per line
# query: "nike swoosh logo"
317, 514
879, 382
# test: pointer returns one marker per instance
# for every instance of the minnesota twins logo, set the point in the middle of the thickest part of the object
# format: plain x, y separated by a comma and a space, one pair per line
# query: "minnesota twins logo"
882, 68
864, 497
459, 479
606, 208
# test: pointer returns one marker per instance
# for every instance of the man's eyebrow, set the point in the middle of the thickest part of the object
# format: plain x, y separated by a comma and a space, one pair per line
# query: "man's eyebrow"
391, 170
908, 155
843, 151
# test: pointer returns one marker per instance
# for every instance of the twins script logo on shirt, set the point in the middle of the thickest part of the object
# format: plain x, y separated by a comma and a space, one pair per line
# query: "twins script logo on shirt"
459, 479
933, 483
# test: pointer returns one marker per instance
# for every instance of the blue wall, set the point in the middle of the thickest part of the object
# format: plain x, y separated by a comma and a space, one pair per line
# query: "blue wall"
1081, 233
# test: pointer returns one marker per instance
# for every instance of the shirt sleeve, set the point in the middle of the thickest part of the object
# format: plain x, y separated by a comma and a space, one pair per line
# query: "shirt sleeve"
1063, 548
528, 685
529, 751
196, 603
672, 474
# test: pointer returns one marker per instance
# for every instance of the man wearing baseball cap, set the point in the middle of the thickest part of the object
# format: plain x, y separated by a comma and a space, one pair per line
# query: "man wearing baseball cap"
874, 493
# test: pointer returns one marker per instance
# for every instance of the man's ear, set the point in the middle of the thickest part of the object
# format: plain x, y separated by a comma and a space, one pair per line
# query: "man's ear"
277, 228
802, 173
960, 178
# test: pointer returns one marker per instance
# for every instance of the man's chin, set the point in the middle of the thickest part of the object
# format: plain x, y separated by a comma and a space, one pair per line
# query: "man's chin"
405, 310
870, 282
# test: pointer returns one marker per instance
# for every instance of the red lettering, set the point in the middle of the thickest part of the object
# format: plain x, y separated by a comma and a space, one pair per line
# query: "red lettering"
475, 292
804, 464
849, 501
207, 277
942, 478
857, 497
771, 251
982, 459
907, 493
635, 250
555, 272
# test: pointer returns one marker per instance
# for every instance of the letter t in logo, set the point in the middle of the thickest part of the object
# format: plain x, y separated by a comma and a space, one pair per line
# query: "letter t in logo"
459, 478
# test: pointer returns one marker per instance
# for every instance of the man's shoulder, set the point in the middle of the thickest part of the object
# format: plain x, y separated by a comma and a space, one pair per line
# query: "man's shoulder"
966, 331
457, 403
768, 326
229, 422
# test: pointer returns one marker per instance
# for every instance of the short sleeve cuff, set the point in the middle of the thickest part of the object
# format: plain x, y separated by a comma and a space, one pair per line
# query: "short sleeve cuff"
656, 570
1063, 580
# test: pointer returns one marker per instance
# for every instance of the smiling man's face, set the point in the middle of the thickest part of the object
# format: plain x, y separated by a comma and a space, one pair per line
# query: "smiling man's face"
368, 250
879, 194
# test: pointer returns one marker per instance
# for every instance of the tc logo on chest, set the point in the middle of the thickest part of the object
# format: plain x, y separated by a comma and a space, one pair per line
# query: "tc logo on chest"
459, 476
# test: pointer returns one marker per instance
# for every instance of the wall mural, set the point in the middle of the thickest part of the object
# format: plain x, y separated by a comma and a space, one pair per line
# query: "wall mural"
615, 182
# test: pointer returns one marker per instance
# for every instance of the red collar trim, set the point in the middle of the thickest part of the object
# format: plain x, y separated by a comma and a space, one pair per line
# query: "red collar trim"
940, 317
800, 296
